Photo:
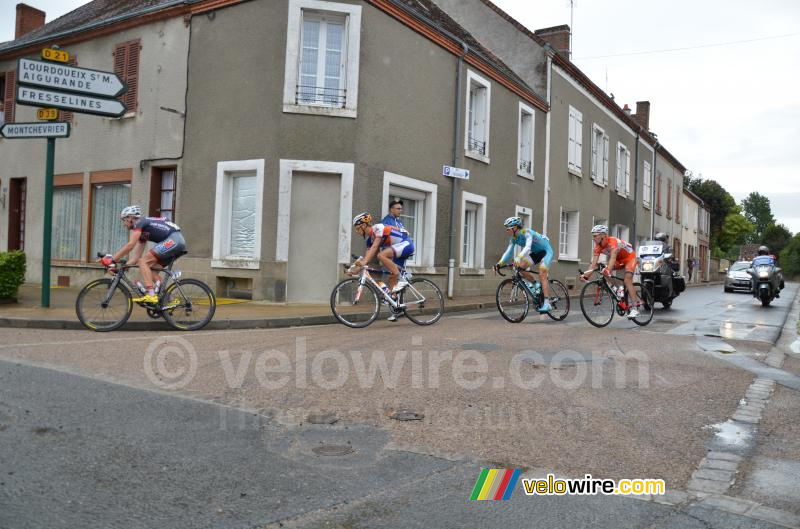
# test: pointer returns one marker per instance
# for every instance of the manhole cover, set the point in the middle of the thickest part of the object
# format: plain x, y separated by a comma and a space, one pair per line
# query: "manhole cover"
405, 415
333, 450
480, 347
322, 418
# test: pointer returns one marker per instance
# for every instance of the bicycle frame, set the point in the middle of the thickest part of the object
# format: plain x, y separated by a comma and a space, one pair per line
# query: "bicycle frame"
520, 280
366, 277
121, 277
607, 286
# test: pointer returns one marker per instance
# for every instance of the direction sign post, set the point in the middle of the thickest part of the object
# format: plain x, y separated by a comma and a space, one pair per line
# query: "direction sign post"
47, 237
455, 172
50, 129
27, 95
69, 78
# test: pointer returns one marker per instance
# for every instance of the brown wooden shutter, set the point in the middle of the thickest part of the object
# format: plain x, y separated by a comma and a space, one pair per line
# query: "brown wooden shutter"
8, 103
64, 115
126, 66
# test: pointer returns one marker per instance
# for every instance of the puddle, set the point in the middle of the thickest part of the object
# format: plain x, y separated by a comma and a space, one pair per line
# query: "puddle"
795, 347
732, 433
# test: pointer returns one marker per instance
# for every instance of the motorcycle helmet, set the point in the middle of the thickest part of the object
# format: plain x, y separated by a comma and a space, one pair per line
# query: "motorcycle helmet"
661, 236
763, 250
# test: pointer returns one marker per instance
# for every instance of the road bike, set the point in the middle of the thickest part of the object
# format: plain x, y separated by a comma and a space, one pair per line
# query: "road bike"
514, 297
356, 301
600, 300
106, 304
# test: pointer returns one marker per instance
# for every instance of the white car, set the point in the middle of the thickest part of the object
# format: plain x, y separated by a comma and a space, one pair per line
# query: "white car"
737, 276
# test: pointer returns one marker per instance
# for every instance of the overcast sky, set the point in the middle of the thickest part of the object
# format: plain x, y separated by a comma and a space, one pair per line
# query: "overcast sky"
728, 109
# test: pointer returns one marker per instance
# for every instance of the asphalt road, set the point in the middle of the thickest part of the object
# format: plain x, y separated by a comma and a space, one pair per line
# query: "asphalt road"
212, 429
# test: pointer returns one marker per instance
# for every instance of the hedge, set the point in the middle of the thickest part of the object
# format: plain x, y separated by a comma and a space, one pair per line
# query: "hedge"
12, 273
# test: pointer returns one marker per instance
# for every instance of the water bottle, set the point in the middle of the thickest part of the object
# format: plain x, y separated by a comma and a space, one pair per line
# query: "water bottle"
620, 291
157, 286
141, 288
385, 289
537, 289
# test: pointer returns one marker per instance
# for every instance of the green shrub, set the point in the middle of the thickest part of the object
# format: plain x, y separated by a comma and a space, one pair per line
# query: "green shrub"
790, 258
12, 273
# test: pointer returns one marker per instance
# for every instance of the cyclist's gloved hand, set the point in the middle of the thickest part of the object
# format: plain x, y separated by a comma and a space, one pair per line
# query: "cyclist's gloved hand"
107, 261
607, 272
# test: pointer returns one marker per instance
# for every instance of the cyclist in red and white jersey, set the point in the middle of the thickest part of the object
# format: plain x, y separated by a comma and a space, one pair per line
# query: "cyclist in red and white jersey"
621, 255
390, 244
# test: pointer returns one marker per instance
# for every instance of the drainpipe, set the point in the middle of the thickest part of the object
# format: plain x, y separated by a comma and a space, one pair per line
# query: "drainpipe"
653, 193
635, 188
451, 261
547, 142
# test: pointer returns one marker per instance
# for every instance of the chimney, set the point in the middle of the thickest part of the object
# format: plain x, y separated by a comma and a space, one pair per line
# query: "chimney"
642, 115
28, 19
557, 37
626, 109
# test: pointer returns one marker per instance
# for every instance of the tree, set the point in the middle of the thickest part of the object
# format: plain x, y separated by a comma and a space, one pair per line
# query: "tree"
757, 209
790, 258
735, 232
719, 201
776, 237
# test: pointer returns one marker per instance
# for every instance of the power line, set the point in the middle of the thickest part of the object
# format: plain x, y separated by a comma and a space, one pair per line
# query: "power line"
688, 48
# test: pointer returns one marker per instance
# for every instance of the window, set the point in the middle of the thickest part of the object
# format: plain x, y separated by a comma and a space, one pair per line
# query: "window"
8, 85
479, 92
647, 185
163, 183
108, 233
322, 54
599, 156
526, 214
621, 231
473, 222
574, 151
568, 236
66, 232
623, 170
419, 213
237, 214
525, 135
669, 199
126, 66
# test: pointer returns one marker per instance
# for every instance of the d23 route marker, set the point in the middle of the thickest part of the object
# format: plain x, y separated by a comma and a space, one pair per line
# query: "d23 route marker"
53, 129
69, 78
74, 102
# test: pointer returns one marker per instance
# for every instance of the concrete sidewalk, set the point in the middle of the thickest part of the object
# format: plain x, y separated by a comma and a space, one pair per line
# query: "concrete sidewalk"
230, 314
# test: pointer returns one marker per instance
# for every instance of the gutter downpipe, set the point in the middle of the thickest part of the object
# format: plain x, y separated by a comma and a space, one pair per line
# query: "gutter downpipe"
451, 261
635, 187
653, 193
546, 204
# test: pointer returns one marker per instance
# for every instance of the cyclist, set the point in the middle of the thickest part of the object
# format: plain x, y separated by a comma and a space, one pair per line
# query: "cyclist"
535, 248
169, 244
621, 255
391, 245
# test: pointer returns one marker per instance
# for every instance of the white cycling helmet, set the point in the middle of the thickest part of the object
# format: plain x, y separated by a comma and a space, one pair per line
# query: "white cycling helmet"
600, 228
131, 211
512, 222
362, 218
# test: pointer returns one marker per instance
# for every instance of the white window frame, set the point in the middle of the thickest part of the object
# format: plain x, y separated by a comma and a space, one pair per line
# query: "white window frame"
599, 156
352, 42
569, 255
522, 211
480, 229
222, 203
287, 168
621, 231
647, 185
575, 141
475, 79
522, 150
424, 250
623, 180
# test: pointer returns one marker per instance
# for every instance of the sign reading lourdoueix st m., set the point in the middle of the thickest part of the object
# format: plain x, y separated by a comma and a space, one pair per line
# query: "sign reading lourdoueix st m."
69, 78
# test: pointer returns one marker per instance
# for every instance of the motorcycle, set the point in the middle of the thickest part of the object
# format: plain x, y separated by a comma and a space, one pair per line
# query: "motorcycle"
657, 271
767, 282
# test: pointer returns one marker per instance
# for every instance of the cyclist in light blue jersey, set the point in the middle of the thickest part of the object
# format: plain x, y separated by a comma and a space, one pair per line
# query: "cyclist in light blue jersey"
533, 248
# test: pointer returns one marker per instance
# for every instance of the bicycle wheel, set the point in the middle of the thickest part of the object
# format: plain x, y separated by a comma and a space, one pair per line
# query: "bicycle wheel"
354, 304
646, 307
188, 304
559, 300
97, 313
424, 300
597, 303
512, 301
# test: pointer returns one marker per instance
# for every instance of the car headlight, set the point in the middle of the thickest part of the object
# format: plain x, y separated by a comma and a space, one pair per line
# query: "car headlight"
647, 266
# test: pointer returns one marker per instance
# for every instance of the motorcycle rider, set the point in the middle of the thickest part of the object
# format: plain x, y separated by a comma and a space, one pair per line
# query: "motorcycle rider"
763, 258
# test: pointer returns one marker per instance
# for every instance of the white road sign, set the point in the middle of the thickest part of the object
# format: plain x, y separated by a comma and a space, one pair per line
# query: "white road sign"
455, 172
69, 78
37, 129
27, 95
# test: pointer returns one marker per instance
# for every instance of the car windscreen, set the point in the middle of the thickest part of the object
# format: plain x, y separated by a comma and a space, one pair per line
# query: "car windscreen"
740, 266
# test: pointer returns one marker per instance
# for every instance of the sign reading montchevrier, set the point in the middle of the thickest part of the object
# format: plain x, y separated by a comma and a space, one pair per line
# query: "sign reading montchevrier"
35, 130
69, 78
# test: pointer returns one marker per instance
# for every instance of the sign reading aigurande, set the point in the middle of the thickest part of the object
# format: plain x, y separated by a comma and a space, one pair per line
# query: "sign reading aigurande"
69, 78
36, 129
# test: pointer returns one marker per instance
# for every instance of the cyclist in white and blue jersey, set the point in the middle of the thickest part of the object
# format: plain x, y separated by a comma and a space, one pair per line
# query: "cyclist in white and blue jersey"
534, 248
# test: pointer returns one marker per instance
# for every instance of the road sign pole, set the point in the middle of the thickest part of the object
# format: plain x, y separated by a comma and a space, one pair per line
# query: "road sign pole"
48, 220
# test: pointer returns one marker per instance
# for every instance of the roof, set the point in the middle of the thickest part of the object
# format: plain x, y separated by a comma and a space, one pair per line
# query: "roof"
93, 14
